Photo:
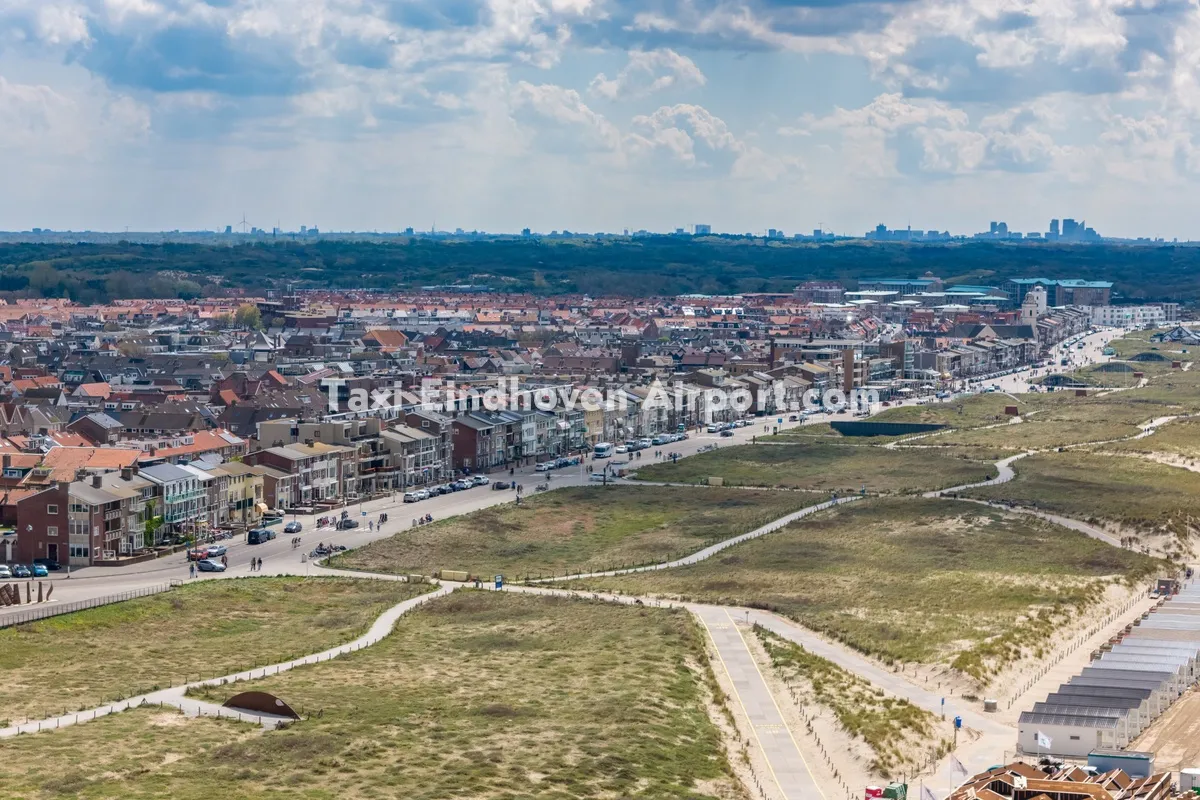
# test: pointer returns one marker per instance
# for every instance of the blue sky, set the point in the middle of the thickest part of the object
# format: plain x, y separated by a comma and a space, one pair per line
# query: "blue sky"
600, 114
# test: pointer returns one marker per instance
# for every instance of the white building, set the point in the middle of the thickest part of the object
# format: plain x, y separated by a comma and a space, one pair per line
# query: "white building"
1154, 315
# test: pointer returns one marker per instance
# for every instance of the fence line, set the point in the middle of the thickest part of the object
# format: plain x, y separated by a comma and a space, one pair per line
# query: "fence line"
46, 610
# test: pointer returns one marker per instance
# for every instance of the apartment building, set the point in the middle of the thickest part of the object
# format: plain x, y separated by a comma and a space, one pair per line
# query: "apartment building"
319, 473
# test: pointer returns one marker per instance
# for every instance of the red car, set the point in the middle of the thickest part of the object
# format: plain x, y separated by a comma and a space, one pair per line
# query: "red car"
197, 555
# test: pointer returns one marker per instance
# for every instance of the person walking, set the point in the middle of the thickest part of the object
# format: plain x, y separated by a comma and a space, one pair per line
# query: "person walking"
225, 561
192, 569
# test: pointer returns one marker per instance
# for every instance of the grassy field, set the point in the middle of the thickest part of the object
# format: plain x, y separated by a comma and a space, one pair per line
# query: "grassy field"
974, 412
579, 528
212, 628
481, 695
909, 579
1180, 437
1140, 496
826, 467
898, 732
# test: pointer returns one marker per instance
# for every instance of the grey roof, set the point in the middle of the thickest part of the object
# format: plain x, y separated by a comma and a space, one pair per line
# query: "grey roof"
166, 473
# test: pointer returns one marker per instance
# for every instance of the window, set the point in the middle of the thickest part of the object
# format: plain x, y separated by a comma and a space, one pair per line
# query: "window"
52, 509
78, 551
52, 530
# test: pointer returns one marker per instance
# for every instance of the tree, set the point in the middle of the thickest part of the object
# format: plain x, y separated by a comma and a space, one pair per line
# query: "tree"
223, 321
248, 316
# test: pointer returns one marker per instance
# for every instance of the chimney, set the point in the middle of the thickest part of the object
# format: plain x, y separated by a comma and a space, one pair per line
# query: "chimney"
80, 474
7, 460
126, 473
848, 370
135, 469
96, 481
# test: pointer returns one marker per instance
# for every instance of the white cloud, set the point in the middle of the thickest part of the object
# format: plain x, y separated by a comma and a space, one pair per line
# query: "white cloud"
648, 72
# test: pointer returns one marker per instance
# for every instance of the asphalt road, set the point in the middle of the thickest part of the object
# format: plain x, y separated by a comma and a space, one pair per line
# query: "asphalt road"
279, 554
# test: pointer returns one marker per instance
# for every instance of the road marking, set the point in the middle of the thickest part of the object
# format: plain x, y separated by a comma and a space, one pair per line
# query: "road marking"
742, 703
771, 694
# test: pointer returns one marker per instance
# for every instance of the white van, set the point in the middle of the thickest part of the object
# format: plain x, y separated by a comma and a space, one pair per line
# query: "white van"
545, 466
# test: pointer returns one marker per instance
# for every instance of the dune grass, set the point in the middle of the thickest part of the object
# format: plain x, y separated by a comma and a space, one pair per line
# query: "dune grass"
484, 695
1139, 496
208, 628
824, 467
573, 529
910, 580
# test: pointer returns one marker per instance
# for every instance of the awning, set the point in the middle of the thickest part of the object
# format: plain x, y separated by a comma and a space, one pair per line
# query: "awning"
262, 507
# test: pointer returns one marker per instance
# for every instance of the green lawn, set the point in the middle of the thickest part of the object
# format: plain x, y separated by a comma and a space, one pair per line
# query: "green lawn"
1139, 495
842, 467
583, 528
204, 628
909, 579
481, 695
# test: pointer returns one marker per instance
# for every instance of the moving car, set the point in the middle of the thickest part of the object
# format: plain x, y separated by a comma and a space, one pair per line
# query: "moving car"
21, 571
500, 485
726, 433
346, 523
198, 554
545, 466
481, 480
217, 550
208, 565
293, 527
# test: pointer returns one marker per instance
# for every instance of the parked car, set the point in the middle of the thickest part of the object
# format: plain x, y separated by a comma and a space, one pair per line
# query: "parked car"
422, 494
411, 497
198, 554
21, 571
464, 483
545, 466
260, 535
726, 433
293, 527
47, 563
622, 448
218, 550
40, 571
208, 565
5, 572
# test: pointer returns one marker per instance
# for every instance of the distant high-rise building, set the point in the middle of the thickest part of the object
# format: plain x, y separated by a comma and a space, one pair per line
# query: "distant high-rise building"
1002, 230
408, 231
526, 232
303, 230
703, 230
680, 231
993, 228
1070, 229
772, 233
228, 229
1054, 229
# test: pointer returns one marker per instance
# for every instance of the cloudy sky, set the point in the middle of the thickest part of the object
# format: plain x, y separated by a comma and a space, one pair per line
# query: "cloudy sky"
600, 114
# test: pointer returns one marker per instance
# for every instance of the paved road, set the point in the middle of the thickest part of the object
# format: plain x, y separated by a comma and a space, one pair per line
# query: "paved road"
775, 738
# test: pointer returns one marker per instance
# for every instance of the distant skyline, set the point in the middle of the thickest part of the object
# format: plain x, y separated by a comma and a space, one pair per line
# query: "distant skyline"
600, 114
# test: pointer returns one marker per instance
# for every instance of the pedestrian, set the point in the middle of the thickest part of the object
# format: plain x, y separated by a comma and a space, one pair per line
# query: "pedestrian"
225, 561
192, 569
260, 565
370, 525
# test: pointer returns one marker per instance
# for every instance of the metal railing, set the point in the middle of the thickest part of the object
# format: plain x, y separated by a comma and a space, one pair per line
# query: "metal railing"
44, 611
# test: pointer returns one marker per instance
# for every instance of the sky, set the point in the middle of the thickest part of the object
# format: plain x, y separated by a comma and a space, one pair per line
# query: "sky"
591, 115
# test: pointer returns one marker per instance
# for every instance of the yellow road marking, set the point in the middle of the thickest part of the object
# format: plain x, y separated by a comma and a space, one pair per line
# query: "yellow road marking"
771, 694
